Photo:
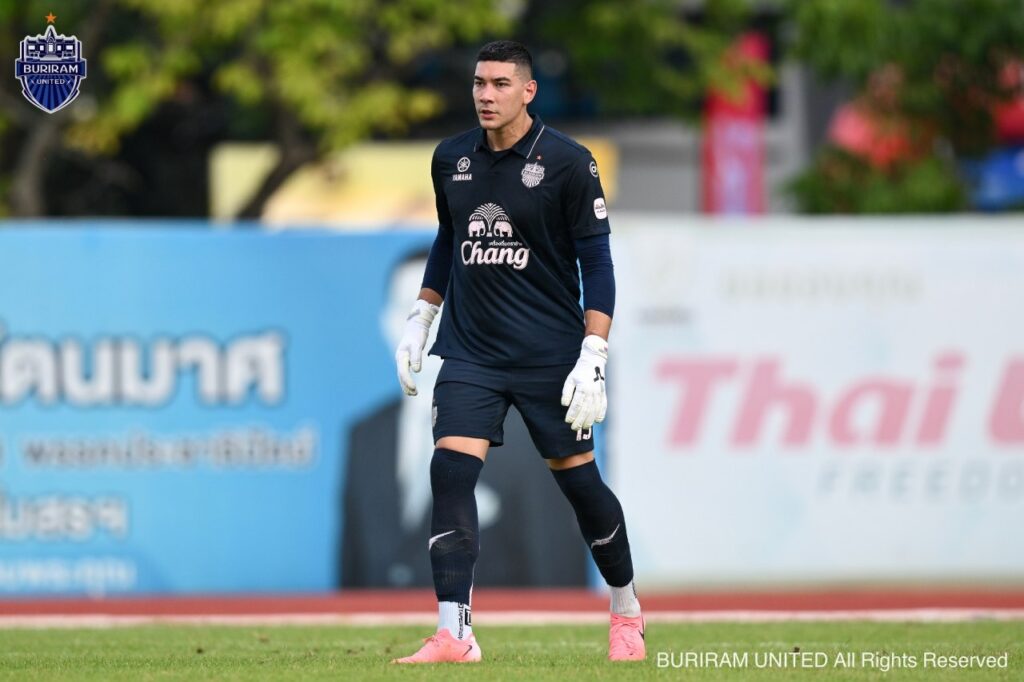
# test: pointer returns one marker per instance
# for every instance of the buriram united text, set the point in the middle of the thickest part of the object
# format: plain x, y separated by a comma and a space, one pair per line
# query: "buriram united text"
873, 660
29, 67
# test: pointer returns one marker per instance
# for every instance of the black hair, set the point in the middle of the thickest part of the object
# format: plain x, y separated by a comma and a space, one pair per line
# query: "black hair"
507, 51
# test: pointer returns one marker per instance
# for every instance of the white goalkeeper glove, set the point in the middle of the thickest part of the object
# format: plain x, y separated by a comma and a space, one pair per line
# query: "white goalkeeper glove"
583, 391
410, 349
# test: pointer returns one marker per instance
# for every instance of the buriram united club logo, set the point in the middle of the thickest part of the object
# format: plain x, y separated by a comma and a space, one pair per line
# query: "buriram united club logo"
50, 68
490, 224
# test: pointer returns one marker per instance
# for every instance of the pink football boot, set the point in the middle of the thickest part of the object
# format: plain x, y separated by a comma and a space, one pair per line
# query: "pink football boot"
626, 639
441, 647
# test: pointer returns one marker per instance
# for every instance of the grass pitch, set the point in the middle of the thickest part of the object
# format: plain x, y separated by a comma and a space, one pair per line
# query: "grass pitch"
165, 652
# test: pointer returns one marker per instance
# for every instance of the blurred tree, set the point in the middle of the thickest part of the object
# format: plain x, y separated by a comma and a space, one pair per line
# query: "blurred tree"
322, 74
844, 183
649, 57
928, 73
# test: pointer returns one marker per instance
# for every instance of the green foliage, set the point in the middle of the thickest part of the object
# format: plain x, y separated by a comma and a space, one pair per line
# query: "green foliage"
648, 56
337, 67
949, 55
841, 183
933, 64
841, 39
5, 184
322, 73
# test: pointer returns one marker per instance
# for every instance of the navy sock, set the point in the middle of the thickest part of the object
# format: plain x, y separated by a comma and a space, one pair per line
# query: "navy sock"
601, 521
454, 530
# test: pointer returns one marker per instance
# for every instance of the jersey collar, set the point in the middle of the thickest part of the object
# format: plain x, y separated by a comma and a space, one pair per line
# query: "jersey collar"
525, 144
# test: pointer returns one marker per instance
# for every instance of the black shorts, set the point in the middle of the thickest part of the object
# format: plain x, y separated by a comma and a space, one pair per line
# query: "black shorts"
472, 400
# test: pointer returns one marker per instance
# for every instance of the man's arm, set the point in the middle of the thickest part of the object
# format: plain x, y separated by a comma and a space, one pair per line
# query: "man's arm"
597, 323
409, 355
431, 296
439, 263
587, 217
438, 272
583, 392
598, 279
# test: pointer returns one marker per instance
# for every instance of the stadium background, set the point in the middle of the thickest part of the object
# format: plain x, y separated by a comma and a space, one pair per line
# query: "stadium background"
201, 260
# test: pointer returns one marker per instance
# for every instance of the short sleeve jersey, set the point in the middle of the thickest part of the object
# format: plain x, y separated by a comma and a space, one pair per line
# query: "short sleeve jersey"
514, 294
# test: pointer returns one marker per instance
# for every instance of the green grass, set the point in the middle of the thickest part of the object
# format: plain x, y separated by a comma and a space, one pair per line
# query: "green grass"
161, 652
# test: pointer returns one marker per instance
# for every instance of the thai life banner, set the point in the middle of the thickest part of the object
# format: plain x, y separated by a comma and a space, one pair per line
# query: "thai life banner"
819, 401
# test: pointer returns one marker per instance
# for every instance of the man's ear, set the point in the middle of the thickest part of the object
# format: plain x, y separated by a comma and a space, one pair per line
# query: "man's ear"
529, 91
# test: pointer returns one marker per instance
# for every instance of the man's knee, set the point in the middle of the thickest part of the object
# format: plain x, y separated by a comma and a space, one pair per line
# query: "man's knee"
453, 473
571, 461
477, 447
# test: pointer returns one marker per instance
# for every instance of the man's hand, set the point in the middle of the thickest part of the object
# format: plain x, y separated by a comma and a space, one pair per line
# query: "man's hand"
583, 391
410, 349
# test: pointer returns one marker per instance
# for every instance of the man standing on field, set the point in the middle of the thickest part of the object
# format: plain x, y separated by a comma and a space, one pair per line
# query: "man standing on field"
518, 205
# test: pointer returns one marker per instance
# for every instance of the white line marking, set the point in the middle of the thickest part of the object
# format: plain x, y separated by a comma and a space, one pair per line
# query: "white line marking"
516, 618
530, 153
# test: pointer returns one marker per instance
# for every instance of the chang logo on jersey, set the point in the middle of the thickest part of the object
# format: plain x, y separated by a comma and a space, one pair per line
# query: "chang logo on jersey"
490, 220
492, 240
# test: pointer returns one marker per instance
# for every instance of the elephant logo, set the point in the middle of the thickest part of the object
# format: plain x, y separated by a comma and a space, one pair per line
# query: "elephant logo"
490, 220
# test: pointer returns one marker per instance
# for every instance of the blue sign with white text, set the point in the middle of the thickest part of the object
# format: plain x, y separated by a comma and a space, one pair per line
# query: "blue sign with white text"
174, 402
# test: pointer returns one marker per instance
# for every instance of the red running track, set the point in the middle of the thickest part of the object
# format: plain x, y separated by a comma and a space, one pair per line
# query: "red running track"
508, 600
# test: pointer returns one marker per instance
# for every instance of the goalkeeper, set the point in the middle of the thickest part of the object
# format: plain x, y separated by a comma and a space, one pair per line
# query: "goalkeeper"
518, 205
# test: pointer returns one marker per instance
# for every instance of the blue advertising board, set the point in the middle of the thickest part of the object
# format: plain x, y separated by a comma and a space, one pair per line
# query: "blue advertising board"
174, 402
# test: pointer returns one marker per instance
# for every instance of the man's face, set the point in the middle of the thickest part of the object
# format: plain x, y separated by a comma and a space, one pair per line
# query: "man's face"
500, 93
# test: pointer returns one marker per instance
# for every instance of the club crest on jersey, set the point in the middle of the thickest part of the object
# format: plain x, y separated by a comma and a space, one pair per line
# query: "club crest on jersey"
51, 69
533, 173
492, 240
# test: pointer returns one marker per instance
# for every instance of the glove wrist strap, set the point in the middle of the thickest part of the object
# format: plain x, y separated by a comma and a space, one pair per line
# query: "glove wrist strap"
595, 345
425, 311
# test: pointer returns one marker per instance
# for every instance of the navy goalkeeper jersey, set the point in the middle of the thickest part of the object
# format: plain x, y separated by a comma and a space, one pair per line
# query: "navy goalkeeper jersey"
514, 292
